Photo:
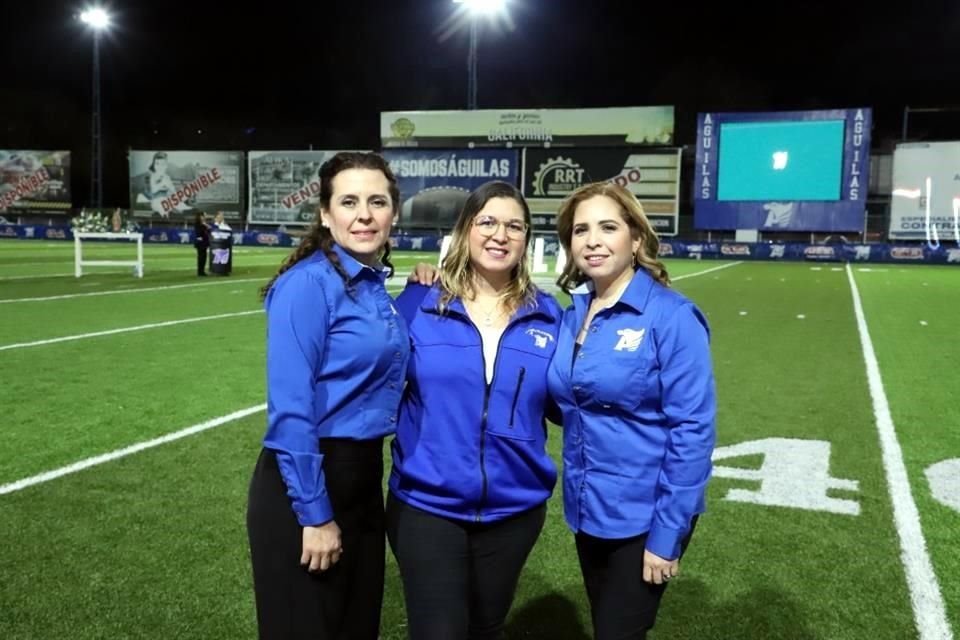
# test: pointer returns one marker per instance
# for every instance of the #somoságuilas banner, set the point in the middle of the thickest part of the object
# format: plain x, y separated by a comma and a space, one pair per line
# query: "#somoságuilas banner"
434, 184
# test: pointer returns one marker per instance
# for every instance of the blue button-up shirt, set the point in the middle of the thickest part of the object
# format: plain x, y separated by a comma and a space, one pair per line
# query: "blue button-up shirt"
336, 362
639, 412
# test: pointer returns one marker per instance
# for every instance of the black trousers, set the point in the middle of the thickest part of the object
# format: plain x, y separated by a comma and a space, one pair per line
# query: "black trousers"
342, 603
459, 578
622, 605
201, 258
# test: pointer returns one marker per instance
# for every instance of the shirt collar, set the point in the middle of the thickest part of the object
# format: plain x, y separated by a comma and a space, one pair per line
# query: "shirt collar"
354, 267
432, 298
634, 296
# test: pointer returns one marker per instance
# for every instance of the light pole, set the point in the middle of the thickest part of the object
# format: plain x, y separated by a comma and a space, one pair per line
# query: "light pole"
98, 20
475, 9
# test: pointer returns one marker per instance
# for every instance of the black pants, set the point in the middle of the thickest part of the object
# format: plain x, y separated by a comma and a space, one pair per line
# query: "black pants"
342, 603
459, 578
622, 605
201, 258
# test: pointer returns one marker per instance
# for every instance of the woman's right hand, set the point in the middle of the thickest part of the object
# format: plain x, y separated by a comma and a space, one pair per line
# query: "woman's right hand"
322, 547
424, 273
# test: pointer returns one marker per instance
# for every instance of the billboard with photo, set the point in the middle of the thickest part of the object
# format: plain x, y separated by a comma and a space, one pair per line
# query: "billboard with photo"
652, 175
783, 171
435, 184
613, 126
285, 186
925, 204
165, 184
33, 180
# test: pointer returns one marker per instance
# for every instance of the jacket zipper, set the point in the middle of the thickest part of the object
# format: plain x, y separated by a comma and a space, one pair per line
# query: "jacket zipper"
516, 395
483, 419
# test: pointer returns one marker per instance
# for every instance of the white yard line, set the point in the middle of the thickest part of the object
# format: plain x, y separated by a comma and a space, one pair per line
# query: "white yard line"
47, 275
110, 332
928, 609
86, 463
142, 290
705, 271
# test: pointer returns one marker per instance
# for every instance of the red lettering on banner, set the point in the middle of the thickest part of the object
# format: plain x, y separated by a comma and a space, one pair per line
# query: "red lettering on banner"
630, 176
191, 189
25, 186
301, 195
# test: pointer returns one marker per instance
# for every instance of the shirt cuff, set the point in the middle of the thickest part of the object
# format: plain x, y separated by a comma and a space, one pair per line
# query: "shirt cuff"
313, 514
664, 541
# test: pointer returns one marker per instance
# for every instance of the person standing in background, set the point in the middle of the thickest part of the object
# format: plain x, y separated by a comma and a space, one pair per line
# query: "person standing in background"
220, 223
201, 241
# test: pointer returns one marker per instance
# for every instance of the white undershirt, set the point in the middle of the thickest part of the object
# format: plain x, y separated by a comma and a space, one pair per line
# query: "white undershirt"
491, 340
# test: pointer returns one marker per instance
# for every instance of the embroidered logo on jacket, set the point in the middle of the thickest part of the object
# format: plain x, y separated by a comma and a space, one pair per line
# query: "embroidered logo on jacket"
540, 338
629, 339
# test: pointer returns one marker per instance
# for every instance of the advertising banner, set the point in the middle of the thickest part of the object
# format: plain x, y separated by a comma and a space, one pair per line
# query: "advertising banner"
165, 184
34, 180
607, 127
653, 176
285, 186
435, 184
926, 192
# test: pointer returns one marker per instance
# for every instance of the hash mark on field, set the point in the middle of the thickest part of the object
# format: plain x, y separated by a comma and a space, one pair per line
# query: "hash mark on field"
923, 323
928, 609
743, 313
800, 316
126, 451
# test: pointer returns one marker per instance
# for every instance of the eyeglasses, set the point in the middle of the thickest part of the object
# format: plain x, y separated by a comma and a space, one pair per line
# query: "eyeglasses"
488, 226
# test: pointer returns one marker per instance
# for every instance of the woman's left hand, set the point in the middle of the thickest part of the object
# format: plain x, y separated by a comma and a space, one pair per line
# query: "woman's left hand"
425, 274
657, 570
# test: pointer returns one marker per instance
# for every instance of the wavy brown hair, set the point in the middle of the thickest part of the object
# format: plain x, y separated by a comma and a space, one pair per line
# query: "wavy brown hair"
318, 237
632, 213
457, 275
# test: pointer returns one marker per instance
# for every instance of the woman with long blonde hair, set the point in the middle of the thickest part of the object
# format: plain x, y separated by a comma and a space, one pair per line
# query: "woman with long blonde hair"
633, 378
471, 475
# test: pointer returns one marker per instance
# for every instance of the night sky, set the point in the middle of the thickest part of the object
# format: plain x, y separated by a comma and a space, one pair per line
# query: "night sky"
275, 75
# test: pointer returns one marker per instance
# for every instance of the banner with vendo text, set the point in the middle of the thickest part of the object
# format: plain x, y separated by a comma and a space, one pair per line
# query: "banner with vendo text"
172, 184
285, 186
34, 180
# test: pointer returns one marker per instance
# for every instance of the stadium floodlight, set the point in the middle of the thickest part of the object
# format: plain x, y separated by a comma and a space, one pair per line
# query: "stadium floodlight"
97, 18
475, 9
99, 21
483, 6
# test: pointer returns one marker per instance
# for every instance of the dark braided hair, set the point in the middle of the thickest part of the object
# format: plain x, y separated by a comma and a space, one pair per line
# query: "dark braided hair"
319, 237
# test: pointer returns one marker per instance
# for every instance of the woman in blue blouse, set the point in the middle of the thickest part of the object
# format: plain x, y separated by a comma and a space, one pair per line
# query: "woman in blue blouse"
633, 378
336, 358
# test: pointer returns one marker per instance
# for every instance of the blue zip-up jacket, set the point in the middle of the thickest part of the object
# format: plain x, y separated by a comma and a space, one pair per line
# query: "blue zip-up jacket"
464, 449
335, 368
639, 411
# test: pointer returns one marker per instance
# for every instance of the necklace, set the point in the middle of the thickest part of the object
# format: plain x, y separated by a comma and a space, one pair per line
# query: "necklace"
488, 316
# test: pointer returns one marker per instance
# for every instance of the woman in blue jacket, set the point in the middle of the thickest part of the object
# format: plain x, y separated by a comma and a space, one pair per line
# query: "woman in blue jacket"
337, 354
471, 474
633, 378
